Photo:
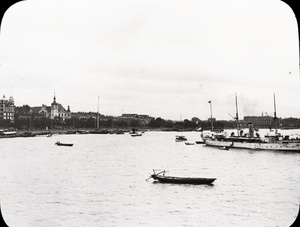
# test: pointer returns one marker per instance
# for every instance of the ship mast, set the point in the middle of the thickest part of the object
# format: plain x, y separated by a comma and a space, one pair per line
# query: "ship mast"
275, 117
211, 120
237, 115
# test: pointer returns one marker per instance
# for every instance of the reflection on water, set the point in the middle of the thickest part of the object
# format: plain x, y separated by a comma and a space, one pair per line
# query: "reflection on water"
100, 181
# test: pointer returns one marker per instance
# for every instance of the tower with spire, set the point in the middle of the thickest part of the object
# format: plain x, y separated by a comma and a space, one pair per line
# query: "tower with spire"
57, 110
54, 108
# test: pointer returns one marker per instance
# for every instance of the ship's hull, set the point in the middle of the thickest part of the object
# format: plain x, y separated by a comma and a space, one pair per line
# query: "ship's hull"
182, 180
279, 146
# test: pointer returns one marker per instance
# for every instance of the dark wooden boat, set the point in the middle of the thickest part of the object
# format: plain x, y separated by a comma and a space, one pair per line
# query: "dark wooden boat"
189, 143
136, 134
180, 138
199, 142
181, 180
64, 144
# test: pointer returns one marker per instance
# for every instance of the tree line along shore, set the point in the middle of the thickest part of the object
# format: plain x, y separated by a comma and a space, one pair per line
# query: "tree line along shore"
157, 124
27, 127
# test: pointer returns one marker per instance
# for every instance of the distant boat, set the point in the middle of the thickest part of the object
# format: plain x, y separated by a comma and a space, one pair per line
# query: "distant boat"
7, 134
99, 131
119, 132
136, 134
133, 131
64, 144
199, 142
27, 134
71, 132
180, 138
82, 131
224, 148
189, 143
180, 180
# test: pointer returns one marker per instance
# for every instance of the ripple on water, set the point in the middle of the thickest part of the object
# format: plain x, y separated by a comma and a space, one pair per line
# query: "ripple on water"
101, 181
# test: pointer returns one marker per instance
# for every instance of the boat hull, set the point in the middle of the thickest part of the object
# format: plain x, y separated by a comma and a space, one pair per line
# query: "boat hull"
183, 180
199, 142
180, 138
279, 146
64, 144
135, 135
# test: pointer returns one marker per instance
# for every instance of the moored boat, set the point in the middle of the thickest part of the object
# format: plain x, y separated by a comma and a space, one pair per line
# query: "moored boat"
180, 180
189, 143
8, 134
255, 142
58, 143
199, 142
82, 131
27, 134
180, 138
119, 132
136, 134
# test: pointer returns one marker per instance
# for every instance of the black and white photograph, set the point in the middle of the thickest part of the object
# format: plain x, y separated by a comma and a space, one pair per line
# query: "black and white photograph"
149, 113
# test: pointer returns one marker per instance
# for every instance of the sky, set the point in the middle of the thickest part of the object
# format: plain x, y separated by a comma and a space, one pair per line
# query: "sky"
164, 58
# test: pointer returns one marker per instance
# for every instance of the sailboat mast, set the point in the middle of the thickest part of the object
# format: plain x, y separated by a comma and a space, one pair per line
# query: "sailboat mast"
237, 115
275, 116
211, 120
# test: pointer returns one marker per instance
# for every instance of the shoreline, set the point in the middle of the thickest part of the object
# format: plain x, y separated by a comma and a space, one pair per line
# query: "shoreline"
49, 132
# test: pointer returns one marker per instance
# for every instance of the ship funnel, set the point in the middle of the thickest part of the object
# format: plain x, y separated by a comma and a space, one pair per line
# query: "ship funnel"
251, 130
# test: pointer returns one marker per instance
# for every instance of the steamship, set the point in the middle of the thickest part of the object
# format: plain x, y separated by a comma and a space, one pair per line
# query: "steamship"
254, 142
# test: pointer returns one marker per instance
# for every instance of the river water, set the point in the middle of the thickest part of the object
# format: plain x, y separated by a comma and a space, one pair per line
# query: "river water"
100, 181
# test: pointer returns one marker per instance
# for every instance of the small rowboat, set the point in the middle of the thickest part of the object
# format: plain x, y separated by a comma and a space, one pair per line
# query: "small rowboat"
136, 134
180, 180
64, 144
199, 142
180, 138
189, 143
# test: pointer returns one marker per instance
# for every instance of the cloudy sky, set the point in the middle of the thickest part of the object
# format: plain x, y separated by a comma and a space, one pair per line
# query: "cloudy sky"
165, 58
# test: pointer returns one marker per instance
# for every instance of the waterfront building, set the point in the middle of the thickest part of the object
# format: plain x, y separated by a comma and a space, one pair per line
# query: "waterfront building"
260, 121
44, 111
57, 110
128, 116
84, 116
41, 111
7, 109
142, 119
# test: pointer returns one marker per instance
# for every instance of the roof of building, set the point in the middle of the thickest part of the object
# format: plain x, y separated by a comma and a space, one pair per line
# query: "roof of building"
129, 115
